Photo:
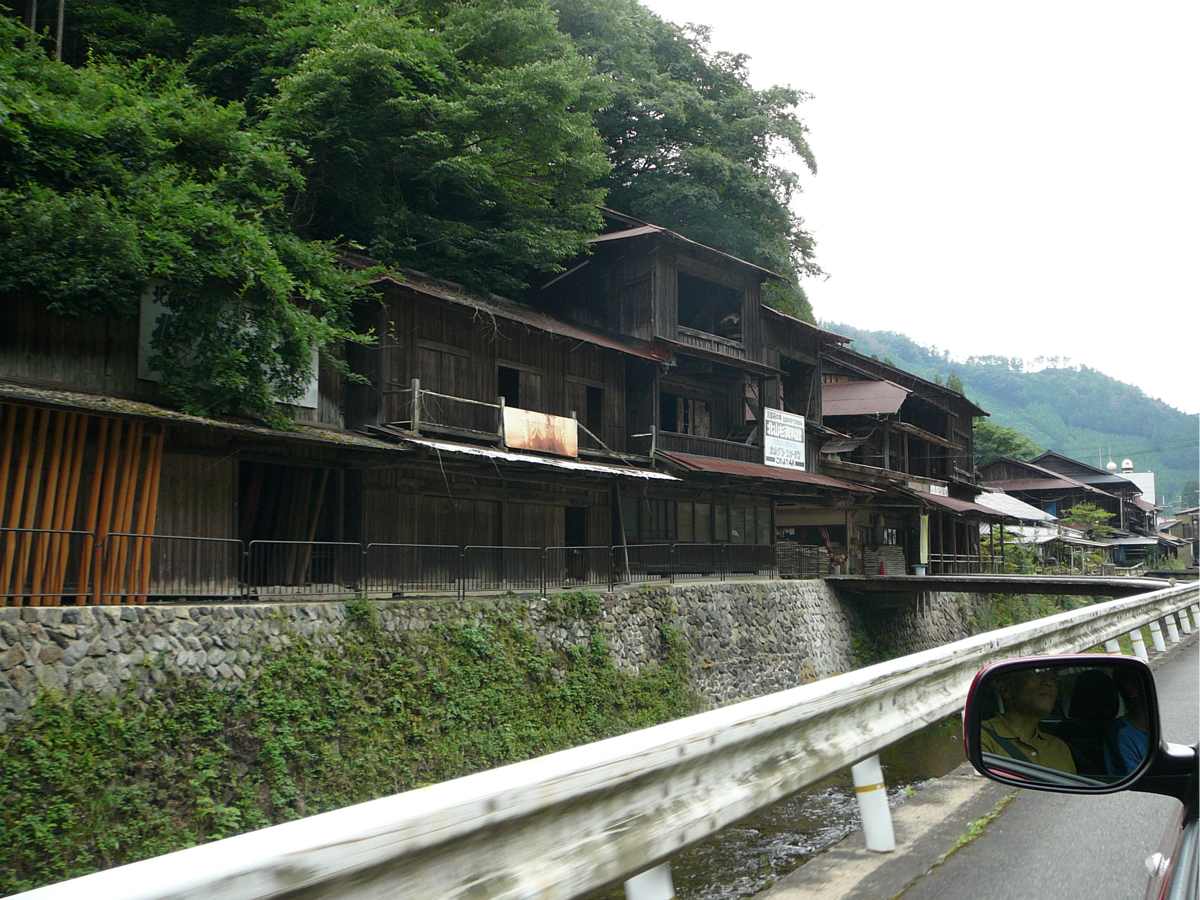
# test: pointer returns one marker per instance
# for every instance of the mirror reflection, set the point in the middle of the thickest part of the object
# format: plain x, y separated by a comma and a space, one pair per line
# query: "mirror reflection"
1077, 725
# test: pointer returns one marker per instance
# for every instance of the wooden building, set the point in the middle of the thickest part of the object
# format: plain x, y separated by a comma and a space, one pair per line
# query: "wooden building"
643, 399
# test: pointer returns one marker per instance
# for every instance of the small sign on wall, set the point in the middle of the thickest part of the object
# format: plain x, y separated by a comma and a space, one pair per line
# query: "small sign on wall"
528, 430
783, 440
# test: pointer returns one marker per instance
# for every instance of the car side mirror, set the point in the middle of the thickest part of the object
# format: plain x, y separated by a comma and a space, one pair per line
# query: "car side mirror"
1081, 724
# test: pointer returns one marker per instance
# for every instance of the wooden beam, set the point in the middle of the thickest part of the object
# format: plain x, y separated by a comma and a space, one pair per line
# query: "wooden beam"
53, 479
107, 500
56, 500
11, 539
29, 518
149, 516
71, 504
6, 448
123, 517
92, 511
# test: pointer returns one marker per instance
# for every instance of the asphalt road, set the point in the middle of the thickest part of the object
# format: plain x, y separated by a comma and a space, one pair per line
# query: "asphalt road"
1064, 847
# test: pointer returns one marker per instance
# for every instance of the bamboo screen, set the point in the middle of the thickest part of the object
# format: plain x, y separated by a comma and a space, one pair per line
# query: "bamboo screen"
69, 482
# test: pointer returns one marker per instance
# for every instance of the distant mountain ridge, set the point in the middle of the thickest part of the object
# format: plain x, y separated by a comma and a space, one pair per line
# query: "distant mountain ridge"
1078, 411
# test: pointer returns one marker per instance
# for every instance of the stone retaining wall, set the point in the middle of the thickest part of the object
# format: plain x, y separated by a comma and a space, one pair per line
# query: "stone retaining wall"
744, 639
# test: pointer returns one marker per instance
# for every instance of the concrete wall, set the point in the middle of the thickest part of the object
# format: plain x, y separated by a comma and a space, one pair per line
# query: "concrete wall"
744, 639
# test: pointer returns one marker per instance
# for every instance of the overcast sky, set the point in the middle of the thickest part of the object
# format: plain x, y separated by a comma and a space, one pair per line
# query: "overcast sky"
1019, 179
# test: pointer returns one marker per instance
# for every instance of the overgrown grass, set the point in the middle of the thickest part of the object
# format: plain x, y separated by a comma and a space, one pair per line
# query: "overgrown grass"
86, 784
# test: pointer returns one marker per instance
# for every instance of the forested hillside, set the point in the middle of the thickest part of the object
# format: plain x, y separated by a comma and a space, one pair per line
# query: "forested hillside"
1077, 411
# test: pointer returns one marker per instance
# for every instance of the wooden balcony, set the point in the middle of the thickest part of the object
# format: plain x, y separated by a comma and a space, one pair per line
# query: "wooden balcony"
711, 343
698, 445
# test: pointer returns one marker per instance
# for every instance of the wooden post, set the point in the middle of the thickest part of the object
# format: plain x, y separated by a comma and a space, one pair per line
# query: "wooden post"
151, 501
29, 519
144, 546
954, 543
14, 511
49, 561
1003, 561
107, 500
68, 522
942, 541
123, 515
415, 423
45, 521
500, 435
6, 446
92, 511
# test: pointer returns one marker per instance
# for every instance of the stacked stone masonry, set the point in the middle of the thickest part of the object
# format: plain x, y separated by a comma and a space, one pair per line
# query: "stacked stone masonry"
744, 639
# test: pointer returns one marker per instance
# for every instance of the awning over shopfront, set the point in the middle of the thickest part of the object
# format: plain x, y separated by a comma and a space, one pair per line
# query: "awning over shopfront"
1012, 506
738, 469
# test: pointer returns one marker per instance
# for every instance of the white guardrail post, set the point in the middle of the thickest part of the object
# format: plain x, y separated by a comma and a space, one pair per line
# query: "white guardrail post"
565, 824
1172, 628
1112, 647
1195, 608
1185, 623
1139, 644
653, 884
873, 805
1156, 635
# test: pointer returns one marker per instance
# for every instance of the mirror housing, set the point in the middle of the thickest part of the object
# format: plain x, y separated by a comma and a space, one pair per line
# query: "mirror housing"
1077, 724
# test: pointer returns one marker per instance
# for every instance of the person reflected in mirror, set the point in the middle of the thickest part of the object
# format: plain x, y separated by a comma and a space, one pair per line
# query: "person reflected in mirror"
1130, 743
1027, 696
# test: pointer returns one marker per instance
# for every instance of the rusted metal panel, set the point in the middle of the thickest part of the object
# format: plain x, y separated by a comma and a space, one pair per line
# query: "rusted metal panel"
862, 398
527, 430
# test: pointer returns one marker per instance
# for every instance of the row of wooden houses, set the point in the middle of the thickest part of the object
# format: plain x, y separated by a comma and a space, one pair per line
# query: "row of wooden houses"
642, 415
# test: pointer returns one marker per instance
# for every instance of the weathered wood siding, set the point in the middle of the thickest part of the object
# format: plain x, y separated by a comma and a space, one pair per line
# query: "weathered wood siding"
89, 353
197, 495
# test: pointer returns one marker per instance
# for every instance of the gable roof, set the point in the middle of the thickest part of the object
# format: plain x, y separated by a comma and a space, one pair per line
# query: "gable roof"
1096, 475
639, 228
906, 378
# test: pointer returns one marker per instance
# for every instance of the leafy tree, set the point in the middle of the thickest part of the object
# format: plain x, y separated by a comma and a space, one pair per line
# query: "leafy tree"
954, 383
465, 148
118, 177
1190, 495
994, 441
1090, 519
692, 144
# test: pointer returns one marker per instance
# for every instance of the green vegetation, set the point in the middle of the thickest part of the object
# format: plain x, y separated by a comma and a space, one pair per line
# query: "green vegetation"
1090, 519
1002, 610
1076, 411
994, 441
119, 177
86, 784
219, 153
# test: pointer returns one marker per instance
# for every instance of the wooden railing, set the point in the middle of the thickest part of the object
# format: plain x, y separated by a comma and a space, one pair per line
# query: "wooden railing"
699, 445
711, 342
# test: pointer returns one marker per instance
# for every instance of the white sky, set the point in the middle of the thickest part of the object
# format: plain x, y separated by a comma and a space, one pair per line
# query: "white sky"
1019, 179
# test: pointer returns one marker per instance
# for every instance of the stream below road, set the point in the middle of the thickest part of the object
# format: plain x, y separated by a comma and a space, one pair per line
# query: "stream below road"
748, 856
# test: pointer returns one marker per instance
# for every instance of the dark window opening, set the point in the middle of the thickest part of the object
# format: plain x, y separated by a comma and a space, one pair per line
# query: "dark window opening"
508, 385
684, 415
575, 526
709, 307
593, 414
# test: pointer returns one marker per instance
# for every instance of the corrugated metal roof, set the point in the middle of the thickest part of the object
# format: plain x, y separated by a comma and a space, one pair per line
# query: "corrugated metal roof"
739, 469
1018, 509
530, 458
492, 304
862, 398
1038, 484
960, 507
101, 404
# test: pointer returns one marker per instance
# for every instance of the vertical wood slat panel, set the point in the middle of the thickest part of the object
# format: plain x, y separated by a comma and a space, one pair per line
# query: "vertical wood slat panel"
91, 511
148, 516
51, 513
106, 504
70, 507
29, 519
123, 517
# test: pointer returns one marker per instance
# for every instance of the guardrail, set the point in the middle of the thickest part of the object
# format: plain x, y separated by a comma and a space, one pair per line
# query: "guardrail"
564, 824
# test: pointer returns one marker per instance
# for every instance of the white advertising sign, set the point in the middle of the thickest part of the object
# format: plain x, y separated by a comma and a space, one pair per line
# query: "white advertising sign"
783, 439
